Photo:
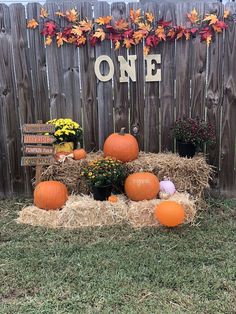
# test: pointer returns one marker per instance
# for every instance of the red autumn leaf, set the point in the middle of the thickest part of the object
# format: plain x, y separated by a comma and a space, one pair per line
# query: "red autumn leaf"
152, 41
164, 23
49, 28
206, 35
93, 40
194, 30
135, 15
121, 24
32, 24
128, 33
219, 26
115, 37
67, 31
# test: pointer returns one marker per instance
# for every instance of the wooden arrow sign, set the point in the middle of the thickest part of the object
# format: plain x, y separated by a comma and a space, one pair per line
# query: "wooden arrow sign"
38, 128
38, 139
38, 150
37, 161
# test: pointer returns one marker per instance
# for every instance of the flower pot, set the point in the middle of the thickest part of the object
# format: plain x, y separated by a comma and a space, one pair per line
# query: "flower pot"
101, 193
186, 149
64, 147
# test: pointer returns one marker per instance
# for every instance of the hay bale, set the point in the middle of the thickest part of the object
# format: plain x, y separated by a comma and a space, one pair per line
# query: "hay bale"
189, 175
83, 211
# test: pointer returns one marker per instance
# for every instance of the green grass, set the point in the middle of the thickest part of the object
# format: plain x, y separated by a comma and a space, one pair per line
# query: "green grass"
119, 270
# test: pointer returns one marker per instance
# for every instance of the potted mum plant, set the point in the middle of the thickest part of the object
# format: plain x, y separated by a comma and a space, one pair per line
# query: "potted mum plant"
103, 175
191, 134
68, 134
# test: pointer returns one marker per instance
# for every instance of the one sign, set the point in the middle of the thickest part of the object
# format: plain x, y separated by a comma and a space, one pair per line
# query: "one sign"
38, 128
38, 139
38, 150
37, 161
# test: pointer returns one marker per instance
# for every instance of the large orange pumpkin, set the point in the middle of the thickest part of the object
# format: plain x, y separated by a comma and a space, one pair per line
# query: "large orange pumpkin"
169, 213
79, 154
142, 186
121, 146
50, 195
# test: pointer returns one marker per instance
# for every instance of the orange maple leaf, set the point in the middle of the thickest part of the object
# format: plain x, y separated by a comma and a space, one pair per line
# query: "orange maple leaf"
160, 33
226, 14
171, 33
212, 18
149, 17
72, 15
58, 13
121, 24
139, 35
208, 40
146, 50
128, 42
135, 15
72, 39
100, 34
77, 30
60, 39
103, 20
32, 24
43, 13
187, 34
81, 40
193, 16
117, 45
86, 25
145, 27
48, 41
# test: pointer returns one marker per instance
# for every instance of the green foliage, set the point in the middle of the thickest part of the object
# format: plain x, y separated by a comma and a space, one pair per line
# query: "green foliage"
118, 269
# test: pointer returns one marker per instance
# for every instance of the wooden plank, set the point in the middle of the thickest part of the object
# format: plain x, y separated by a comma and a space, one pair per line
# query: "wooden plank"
137, 90
152, 100
38, 139
38, 128
104, 89
6, 102
121, 101
37, 161
167, 97
38, 66
71, 73
40, 150
214, 93
182, 68
88, 85
228, 134
55, 72
198, 61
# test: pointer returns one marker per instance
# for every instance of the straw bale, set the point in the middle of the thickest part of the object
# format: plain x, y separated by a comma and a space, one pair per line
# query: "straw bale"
83, 211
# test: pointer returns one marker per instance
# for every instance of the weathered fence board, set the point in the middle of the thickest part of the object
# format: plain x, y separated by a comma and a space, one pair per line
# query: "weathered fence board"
121, 101
228, 134
152, 100
104, 89
38, 83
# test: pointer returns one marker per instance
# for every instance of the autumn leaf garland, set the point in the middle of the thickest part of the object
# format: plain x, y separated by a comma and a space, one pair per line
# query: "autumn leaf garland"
136, 29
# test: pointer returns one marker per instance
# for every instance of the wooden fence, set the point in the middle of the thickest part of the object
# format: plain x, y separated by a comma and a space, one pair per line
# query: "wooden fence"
37, 83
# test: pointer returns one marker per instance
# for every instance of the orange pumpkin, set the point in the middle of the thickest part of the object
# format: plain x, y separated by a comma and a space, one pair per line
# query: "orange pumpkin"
79, 154
121, 146
169, 213
142, 186
113, 199
50, 195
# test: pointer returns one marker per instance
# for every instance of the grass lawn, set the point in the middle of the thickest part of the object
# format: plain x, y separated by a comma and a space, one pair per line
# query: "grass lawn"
117, 269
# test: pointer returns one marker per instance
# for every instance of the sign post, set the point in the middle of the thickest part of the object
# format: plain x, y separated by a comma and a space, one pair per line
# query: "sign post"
38, 145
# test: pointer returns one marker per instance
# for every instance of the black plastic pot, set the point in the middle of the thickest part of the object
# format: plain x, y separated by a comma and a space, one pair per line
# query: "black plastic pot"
186, 149
101, 193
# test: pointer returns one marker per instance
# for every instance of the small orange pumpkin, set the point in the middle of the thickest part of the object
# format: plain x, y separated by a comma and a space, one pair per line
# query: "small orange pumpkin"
142, 186
50, 195
113, 199
169, 213
79, 154
121, 146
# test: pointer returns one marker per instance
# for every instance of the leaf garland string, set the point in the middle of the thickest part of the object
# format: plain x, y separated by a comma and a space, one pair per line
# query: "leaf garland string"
136, 29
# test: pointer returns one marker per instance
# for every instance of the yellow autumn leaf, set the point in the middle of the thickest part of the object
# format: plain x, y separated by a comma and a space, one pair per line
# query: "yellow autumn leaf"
128, 42
212, 18
60, 14
86, 25
32, 24
146, 50
193, 16
43, 13
149, 17
103, 20
135, 15
226, 14
60, 39
77, 30
48, 41
81, 40
72, 15
145, 27
160, 32
117, 45
100, 34
208, 40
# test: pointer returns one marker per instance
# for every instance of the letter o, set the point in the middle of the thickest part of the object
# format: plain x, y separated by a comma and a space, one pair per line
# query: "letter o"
99, 60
